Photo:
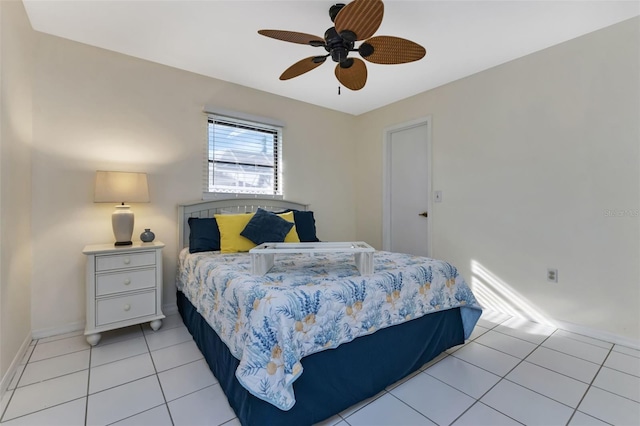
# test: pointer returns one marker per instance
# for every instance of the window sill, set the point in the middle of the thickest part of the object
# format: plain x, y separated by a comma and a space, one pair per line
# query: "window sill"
228, 195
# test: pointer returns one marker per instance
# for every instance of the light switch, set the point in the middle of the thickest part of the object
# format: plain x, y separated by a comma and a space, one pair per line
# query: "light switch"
438, 196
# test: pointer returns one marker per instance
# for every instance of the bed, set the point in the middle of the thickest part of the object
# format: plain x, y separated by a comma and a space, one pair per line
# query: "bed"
312, 337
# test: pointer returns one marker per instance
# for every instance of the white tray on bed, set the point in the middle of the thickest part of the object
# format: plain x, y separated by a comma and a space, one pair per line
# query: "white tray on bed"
262, 256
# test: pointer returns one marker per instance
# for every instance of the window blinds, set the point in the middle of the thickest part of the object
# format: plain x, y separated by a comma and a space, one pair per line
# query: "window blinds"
243, 157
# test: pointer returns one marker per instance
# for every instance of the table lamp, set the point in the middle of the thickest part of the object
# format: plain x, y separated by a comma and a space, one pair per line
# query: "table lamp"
121, 187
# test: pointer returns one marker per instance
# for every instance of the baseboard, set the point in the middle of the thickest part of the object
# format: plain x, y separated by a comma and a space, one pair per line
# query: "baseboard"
8, 376
585, 331
41, 333
598, 334
170, 309
54, 331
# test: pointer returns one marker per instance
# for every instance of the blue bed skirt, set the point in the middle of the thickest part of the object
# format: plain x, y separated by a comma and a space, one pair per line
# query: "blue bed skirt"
335, 379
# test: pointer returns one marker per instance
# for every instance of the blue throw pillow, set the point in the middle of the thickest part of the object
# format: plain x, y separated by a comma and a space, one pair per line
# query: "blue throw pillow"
204, 235
305, 225
266, 227
307, 230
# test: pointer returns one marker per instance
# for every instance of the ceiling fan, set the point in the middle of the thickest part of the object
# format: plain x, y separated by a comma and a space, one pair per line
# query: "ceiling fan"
356, 21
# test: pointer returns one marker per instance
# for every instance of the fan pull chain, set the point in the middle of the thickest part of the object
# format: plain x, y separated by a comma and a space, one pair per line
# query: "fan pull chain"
338, 90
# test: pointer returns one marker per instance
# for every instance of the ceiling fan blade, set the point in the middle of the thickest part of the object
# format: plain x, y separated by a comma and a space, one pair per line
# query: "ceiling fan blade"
300, 67
391, 50
354, 77
362, 17
293, 37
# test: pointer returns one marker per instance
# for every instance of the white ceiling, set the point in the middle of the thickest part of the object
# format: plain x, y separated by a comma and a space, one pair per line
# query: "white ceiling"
219, 39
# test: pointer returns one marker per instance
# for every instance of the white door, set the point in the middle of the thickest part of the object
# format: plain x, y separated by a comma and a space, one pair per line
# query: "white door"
407, 188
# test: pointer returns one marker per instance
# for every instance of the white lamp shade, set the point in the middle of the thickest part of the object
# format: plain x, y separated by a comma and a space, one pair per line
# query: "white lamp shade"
121, 187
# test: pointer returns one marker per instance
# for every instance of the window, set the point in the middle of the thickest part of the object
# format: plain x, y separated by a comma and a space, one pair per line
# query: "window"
244, 157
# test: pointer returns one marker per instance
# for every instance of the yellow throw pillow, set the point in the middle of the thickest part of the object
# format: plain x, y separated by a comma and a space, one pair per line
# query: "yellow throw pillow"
292, 236
231, 225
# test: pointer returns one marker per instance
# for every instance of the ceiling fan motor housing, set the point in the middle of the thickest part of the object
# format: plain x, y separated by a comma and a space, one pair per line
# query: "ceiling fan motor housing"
336, 45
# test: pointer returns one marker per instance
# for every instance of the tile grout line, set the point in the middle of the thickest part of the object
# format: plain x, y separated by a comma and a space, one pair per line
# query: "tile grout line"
584, 341
621, 371
118, 360
476, 400
408, 405
133, 415
614, 393
546, 396
86, 403
506, 353
384, 391
147, 351
557, 351
51, 378
625, 353
499, 381
156, 374
42, 409
166, 404
339, 418
125, 339
589, 388
105, 344
520, 338
87, 394
57, 356
13, 392
45, 408
557, 372
54, 357
579, 341
505, 378
561, 352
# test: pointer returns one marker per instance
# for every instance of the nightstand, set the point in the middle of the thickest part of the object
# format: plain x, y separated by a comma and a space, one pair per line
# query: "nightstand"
124, 287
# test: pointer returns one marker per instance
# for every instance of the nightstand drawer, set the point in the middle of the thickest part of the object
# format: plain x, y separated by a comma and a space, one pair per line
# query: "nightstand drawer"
118, 282
129, 260
122, 308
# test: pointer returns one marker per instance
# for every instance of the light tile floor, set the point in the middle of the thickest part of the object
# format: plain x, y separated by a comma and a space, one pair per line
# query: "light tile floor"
509, 372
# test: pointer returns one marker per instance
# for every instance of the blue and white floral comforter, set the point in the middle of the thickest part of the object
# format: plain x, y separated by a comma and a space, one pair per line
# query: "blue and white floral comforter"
307, 304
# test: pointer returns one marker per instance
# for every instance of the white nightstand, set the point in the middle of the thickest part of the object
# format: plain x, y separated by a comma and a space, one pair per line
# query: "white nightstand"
124, 287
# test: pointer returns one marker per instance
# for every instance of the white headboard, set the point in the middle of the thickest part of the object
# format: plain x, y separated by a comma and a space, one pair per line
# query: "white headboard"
231, 205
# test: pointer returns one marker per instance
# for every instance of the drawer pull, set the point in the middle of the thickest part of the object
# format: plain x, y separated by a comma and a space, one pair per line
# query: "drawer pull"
127, 281
127, 260
127, 307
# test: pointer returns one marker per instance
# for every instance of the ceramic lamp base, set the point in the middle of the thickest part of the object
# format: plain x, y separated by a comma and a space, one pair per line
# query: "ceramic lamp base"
122, 221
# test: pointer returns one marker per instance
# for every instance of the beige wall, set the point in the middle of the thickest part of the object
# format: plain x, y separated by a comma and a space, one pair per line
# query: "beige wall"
530, 155
16, 70
95, 109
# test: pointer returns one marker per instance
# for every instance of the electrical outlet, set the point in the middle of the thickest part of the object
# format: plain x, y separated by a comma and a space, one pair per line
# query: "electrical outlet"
552, 275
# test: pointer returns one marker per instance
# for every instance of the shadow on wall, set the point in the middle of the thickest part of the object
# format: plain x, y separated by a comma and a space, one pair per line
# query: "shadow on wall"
496, 295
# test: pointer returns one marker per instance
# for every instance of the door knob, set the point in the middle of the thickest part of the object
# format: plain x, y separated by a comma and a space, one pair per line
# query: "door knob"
425, 214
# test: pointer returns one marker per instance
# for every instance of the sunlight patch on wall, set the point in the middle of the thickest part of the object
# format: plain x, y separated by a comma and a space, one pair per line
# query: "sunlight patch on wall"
494, 294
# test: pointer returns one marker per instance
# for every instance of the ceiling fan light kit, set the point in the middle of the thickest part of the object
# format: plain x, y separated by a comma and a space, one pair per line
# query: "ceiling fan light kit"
356, 21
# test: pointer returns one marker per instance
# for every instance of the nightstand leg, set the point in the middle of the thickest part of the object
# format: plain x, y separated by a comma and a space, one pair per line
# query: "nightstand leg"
156, 324
93, 339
